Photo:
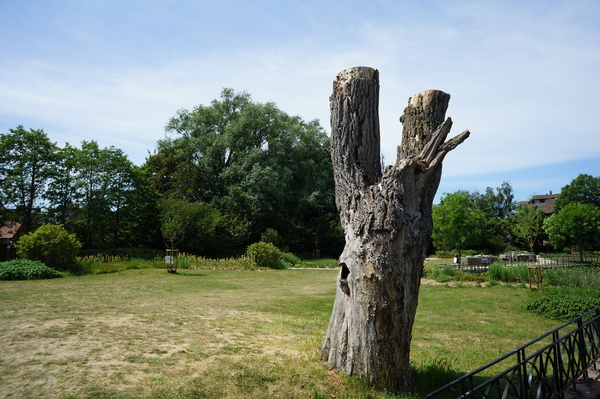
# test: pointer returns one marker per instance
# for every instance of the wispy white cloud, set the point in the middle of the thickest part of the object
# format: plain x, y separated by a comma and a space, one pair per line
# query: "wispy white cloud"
523, 77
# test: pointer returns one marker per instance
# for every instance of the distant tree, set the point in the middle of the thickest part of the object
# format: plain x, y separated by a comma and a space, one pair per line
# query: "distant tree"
103, 179
251, 161
61, 195
198, 227
140, 223
457, 223
499, 204
576, 225
27, 161
584, 189
527, 224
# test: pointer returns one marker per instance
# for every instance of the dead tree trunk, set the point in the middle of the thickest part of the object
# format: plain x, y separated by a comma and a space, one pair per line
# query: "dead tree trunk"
386, 218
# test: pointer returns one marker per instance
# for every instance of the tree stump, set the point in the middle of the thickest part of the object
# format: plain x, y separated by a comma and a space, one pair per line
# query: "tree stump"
386, 218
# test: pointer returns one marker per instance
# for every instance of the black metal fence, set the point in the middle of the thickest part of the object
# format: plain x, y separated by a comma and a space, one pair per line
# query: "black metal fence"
546, 373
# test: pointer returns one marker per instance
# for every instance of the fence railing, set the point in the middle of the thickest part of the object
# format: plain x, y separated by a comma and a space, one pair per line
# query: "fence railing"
541, 262
544, 374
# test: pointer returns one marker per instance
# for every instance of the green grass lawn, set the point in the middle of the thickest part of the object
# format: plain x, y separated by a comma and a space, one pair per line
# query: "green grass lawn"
226, 334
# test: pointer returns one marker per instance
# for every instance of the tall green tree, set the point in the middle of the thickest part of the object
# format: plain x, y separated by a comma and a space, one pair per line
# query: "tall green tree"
103, 179
27, 161
528, 224
576, 225
251, 161
140, 224
61, 195
584, 189
198, 227
457, 223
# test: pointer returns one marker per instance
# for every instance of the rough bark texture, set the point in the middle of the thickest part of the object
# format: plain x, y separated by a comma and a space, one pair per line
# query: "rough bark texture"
387, 222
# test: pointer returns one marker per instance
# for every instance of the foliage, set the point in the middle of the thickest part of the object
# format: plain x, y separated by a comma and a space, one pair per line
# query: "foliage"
575, 225
264, 254
563, 303
207, 229
27, 160
497, 205
580, 277
51, 244
190, 261
508, 274
528, 223
26, 270
103, 264
457, 223
584, 189
103, 179
254, 162
124, 253
290, 259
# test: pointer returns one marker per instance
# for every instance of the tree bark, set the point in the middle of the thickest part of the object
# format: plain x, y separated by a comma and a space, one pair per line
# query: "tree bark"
386, 218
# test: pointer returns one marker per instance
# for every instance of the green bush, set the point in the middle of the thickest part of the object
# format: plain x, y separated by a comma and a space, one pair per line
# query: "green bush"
51, 244
265, 254
26, 270
563, 303
290, 259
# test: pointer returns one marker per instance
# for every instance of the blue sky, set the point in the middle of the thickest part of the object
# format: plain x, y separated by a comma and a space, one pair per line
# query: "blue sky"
523, 76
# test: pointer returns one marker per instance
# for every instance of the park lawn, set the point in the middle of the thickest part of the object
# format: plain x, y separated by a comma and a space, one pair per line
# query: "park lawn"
226, 334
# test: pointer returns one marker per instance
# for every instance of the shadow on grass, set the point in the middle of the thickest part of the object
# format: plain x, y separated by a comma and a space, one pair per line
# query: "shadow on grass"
189, 274
435, 374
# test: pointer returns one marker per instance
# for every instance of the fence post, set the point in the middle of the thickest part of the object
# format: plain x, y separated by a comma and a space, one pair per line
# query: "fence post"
583, 355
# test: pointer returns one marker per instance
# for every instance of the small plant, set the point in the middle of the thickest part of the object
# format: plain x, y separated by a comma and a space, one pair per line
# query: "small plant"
26, 270
265, 254
51, 244
290, 259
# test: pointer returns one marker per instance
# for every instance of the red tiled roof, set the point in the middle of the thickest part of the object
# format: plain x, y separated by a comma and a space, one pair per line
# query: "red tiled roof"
9, 229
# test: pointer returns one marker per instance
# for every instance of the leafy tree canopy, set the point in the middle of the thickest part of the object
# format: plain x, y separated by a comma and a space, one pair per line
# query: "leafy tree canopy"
584, 189
575, 225
27, 159
527, 224
252, 161
457, 222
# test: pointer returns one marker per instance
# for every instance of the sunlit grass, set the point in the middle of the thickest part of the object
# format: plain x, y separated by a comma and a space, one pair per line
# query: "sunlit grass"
144, 333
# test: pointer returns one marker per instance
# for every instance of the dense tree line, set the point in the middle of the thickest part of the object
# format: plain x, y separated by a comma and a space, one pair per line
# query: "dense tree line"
94, 192
236, 172
492, 221
226, 175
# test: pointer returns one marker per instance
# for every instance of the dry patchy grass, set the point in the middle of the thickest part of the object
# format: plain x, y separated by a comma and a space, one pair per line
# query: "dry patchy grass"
221, 334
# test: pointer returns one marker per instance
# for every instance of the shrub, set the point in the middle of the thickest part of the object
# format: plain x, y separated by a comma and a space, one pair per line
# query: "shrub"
563, 303
26, 270
290, 259
265, 254
51, 244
